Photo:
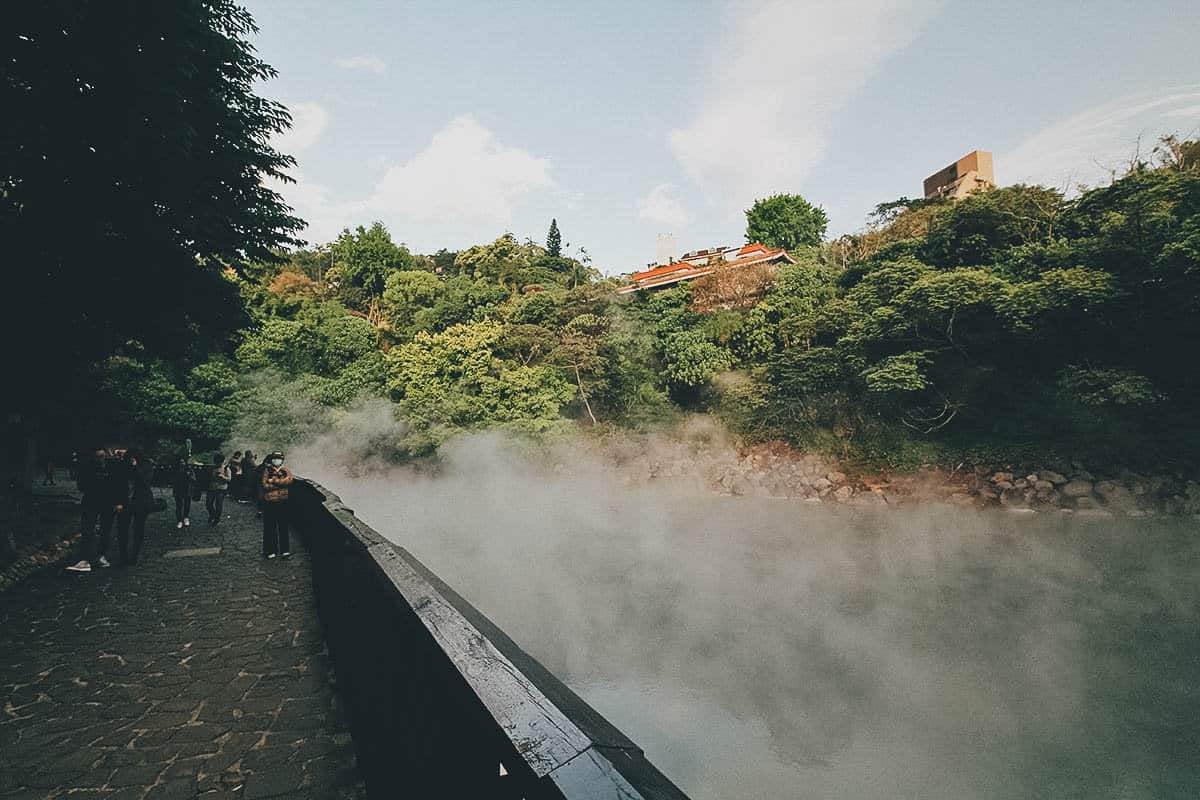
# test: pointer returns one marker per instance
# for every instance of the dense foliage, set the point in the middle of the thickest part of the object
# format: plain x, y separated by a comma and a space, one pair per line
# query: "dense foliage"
132, 163
1013, 323
785, 220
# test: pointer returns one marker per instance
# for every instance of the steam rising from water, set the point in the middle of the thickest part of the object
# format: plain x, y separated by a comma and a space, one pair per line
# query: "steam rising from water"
772, 649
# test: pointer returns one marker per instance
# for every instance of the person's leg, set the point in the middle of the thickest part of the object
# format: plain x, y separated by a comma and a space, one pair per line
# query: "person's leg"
219, 505
187, 507
107, 517
208, 505
179, 507
281, 517
123, 520
139, 533
87, 532
269, 535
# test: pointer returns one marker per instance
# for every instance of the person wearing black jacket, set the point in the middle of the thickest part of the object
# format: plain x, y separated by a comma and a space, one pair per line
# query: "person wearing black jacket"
251, 475
139, 471
104, 496
182, 482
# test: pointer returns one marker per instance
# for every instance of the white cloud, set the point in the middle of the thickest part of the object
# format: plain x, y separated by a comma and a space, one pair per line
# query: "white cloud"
663, 207
1092, 146
465, 175
308, 123
313, 202
776, 84
463, 188
369, 62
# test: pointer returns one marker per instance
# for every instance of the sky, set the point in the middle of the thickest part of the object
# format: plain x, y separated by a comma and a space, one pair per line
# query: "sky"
454, 122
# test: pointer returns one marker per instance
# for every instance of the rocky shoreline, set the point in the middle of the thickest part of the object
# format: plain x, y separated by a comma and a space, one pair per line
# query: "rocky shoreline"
777, 470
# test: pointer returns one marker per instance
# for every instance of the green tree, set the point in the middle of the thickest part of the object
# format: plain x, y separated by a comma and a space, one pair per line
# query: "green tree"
785, 220
138, 123
505, 261
553, 240
578, 352
455, 378
406, 293
368, 256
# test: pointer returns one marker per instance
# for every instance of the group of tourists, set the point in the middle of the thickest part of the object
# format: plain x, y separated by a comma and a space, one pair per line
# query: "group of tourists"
117, 492
239, 476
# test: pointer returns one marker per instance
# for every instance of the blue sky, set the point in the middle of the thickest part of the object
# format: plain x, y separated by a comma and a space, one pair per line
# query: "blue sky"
455, 122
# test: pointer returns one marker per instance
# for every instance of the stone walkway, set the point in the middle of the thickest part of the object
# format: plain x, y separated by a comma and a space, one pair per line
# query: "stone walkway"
193, 674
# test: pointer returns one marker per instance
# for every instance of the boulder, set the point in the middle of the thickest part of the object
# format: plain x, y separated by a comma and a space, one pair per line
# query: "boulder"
868, 499
843, 494
1077, 488
1043, 486
1116, 496
1002, 477
1012, 497
1003, 486
821, 484
1053, 477
835, 477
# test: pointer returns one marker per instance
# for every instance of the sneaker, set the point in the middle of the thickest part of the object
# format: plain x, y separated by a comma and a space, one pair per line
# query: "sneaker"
102, 561
270, 555
186, 522
80, 566
285, 554
178, 524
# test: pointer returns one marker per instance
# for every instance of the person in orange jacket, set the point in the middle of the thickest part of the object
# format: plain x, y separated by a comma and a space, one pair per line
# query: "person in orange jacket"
275, 483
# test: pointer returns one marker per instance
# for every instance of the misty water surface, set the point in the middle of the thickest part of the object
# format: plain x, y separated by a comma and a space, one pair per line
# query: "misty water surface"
776, 649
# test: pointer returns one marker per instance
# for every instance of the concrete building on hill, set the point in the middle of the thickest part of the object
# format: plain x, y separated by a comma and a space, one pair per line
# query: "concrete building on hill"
971, 173
699, 263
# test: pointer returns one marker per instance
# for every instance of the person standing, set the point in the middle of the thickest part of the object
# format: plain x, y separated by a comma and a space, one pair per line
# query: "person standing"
139, 472
276, 482
182, 482
236, 489
250, 477
218, 484
100, 504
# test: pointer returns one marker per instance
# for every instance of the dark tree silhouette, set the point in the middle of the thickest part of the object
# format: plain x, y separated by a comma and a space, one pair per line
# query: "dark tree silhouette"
135, 167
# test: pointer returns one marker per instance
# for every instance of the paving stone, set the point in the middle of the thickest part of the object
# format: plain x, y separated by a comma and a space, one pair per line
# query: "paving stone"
182, 677
135, 776
172, 790
275, 782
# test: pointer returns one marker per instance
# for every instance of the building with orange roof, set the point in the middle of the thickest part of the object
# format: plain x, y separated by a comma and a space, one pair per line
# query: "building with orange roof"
699, 263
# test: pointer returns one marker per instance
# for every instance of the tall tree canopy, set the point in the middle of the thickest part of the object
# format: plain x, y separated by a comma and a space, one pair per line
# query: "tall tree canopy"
553, 240
135, 162
785, 220
367, 256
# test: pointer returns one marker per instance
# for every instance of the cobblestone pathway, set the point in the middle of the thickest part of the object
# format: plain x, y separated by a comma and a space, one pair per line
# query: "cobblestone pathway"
187, 675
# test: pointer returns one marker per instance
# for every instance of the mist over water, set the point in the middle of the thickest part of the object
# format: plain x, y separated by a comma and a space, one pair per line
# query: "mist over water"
775, 649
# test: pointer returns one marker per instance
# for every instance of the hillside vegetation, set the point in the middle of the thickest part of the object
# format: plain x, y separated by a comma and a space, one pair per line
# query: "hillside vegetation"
1012, 325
